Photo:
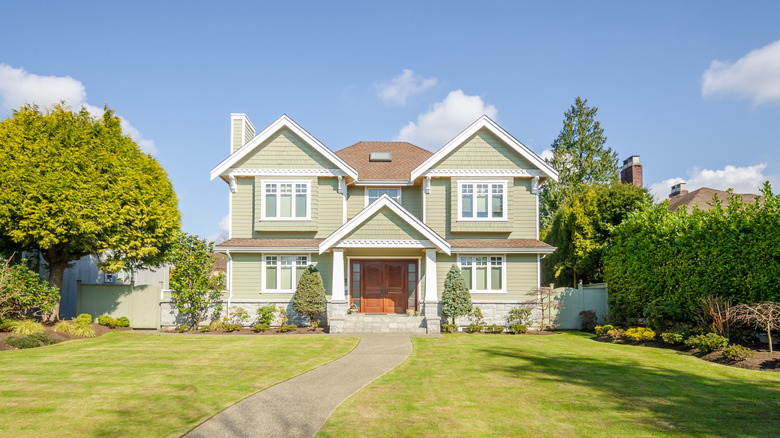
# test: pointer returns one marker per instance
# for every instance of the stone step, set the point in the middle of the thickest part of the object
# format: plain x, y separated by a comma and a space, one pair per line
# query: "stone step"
376, 323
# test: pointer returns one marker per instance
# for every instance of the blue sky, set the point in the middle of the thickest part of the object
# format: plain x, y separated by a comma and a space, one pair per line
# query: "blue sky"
692, 87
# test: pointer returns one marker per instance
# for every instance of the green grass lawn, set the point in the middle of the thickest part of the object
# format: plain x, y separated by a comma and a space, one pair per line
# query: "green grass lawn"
145, 385
558, 385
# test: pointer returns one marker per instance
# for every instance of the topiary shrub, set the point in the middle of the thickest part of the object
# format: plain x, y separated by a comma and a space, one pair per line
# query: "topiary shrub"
602, 330
107, 321
455, 300
26, 327
265, 314
84, 318
284, 328
261, 327
737, 353
589, 320
706, 343
449, 328
122, 321
640, 334
309, 297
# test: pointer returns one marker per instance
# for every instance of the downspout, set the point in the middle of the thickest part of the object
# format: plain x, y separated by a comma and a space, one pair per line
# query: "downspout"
229, 277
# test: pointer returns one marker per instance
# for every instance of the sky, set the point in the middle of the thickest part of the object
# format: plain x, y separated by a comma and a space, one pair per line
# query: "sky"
691, 87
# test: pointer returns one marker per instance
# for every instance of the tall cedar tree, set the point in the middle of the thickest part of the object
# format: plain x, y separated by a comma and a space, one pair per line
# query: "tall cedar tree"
74, 185
195, 288
580, 157
456, 299
309, 298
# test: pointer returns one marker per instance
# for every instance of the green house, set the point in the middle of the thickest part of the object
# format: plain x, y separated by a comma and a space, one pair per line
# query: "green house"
383, 222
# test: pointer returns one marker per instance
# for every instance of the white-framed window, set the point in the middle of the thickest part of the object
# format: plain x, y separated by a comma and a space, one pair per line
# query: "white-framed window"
286, 200
482, 200
282, 272
484, 273
373, 193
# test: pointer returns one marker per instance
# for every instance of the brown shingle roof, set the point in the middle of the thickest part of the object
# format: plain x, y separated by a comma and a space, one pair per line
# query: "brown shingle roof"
270, 243
406, 157
498, 243
703, 198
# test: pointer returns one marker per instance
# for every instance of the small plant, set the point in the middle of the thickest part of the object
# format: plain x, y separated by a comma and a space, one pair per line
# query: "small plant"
673, 338
183, 328
706, 343
236, 316
233, 327
737, 353
265, 314
107, 321
449, 328
205, 329
589, 320
64, 327
640, 334
217, 326
314, 324
602, 330
477, 321
84, 330
29, 341
518, 328
284, 328
494, 329
261, 327
5, 326
122, 321
282, 312
26, 327
518, 320
84, 318
616, 334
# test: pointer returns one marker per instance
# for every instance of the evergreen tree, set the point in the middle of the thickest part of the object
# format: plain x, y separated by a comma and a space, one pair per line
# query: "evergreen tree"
456, 299
309, 298
580, 157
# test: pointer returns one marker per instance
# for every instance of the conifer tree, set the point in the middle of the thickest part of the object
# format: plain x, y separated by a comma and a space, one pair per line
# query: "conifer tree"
309, 298
456, 299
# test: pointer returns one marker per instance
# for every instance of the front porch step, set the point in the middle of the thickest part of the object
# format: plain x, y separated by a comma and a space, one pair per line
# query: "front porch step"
378, 323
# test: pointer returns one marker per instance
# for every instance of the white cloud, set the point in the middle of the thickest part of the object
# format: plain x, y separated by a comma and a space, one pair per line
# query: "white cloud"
748, 179
223, 231
547, 154
18, 87
403, 86
446, 120
755, 76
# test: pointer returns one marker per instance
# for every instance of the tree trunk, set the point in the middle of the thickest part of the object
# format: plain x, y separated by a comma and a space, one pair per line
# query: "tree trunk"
56, 272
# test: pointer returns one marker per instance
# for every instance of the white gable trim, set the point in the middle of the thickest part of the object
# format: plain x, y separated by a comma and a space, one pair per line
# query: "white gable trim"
366, 213
490, 125
282, 122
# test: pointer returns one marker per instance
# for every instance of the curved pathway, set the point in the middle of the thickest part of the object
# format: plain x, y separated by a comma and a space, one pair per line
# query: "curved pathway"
300, 406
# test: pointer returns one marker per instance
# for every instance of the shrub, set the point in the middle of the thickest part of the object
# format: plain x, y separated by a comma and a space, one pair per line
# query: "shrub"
29, 341
455, 299
5, 326
494, 328
616, 334
477, 321
233, 327
661, 314
284, 328
261, 327
183, 328
737, 353
640, 334
589, 320
236, 316
518, 320
449, 328
205, 329
265, 314
26, 327
122, 321
107, 321
518, 328
309, 297
217, 326
84, 330
601, 330
64, 327
84, 318
673, 338
314, 323
282, 312
706, 343
22, 293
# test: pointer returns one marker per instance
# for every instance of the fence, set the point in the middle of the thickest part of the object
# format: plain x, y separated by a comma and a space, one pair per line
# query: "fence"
572, 301
138, 303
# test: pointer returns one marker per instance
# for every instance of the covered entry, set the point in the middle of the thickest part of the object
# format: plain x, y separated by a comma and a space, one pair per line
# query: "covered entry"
384, 286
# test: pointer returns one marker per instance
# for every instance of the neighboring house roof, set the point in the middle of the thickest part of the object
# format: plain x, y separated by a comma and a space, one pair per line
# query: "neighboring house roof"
405, 158
703, 198
254, 245
485, 122
220, 262
282, 122
508, 245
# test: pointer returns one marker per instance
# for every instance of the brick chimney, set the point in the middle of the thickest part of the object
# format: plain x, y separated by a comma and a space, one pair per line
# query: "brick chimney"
678, 189
631, 173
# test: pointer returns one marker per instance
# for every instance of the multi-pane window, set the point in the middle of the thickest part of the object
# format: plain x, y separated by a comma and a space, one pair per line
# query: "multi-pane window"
286, 200
374, 194
282, 272
482, 200
483, 273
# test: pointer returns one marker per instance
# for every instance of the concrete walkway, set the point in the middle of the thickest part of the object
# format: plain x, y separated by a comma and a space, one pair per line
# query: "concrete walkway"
300, 406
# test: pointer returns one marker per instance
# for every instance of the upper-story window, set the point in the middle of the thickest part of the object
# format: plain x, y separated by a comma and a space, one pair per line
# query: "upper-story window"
286, 200
372, 194
482, 200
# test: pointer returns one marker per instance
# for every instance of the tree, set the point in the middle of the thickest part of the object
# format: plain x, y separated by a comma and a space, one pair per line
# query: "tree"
581, 229
764, 315
580, 157
74, 185
456, 299
195, 289
309, 298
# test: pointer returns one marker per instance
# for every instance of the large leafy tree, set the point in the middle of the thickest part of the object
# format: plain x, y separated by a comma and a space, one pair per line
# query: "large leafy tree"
74, 185
581, 158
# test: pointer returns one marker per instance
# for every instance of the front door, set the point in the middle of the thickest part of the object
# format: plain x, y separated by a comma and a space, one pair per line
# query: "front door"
383, 285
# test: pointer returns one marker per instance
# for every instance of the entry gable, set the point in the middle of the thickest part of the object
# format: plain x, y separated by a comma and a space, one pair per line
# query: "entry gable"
384, 218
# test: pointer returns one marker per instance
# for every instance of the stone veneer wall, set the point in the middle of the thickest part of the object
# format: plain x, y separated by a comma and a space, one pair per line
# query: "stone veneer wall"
170, 317
496, 312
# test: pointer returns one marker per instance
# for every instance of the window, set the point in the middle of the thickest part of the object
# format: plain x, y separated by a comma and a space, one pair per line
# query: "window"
286, 200
482, 201
483, 274
372, 194
282, 272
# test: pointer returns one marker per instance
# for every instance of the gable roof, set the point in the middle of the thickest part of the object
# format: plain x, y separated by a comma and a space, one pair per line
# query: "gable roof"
384, 201
406, 157
282, 122
703, 198
486, 123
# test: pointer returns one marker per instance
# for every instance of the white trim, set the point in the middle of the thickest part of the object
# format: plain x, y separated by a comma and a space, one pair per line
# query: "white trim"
283, 172
294, 265
514, 173
485, 122
379, 243
268, 249
230, 215
382, 202
233, 185
489, 218
536, 196
367, 188
293, 182
531, 250
338, 289
229, 277
282, 122
426, 188
504, 268
431, 277
343, 190
538, 271
348, 271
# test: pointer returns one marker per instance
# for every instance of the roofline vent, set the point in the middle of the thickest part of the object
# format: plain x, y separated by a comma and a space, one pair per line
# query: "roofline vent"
380, 156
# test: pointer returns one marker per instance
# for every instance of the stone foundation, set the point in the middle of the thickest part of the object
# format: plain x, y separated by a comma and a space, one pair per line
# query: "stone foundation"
496, 312
170, 317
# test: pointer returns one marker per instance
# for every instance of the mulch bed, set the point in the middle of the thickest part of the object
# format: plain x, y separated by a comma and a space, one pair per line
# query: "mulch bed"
270, 331
57, 336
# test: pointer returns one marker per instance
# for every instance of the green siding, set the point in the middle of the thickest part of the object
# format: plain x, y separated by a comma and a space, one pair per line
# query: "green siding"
330, 207
411, 199
483, 150
284, 150
521, 213
286, 226
248, 133
356, 201
237, 135
520, 276
437, 206
242, 209
247, 275
385, 224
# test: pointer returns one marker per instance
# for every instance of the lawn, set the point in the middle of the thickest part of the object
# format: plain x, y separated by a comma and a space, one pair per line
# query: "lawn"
558, 385
145, 385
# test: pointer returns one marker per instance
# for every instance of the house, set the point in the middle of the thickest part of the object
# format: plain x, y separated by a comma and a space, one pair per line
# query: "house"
383, 222
680, 196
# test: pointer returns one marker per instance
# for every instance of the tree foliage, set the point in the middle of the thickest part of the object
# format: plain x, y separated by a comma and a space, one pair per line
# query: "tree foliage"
581, 228
581, 158
74, 185
309, 298
455, 299
22, 293
195, 289
731, 252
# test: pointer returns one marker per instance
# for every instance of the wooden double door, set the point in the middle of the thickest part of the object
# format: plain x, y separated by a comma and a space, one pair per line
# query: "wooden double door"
384, 285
